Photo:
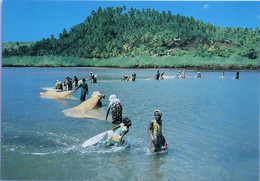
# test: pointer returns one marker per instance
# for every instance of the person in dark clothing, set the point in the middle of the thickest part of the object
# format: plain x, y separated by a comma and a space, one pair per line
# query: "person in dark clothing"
157, 75
70, 84
237, 75
66, 82
76, 81
84, 90
125, 78
133, 76
116, 108
93, 78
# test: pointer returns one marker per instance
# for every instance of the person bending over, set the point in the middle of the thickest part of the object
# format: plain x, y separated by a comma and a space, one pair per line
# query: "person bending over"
117, 137
116, 108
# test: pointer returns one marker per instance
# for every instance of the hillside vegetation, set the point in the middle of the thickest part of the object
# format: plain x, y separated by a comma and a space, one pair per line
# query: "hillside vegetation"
120, 32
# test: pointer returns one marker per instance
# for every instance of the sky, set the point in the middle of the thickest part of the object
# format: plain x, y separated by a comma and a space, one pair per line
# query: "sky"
33, 20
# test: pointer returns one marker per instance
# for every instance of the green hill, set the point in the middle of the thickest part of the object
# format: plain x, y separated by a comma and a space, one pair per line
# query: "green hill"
121, 32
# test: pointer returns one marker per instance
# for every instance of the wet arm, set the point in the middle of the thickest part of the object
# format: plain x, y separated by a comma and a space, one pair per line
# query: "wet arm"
150, 127
116, 127
108, 109
123, 134
78, 87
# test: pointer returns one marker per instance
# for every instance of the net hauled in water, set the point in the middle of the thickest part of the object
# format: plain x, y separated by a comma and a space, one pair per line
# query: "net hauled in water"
55, 94
86, 108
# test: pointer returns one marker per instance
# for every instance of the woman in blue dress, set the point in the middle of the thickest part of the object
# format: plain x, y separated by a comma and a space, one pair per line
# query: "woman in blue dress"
84, 90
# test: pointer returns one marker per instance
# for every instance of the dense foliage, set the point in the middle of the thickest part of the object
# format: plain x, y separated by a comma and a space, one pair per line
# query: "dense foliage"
121, 32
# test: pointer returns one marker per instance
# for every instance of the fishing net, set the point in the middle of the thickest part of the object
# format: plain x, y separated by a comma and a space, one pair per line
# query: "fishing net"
86, 109
170, 77
81, 81
55, 94
150, 78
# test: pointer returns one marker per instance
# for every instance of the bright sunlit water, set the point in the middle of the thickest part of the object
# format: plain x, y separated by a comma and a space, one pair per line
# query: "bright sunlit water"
210, 124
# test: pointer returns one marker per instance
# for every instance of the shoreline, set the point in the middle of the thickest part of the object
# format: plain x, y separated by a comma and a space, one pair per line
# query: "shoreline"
187, 67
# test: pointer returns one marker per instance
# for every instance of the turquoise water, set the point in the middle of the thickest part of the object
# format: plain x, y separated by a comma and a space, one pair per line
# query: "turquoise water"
210, 124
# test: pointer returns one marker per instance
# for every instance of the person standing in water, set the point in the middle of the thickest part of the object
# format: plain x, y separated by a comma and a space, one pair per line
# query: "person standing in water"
161, 76
158, 141
70, 84
93, 78
223, 75
116, 107
157, 75
76, 80
84, 90
237, 75
198, 75
183, 74
133, 76
179, 74
117, 137
66, 83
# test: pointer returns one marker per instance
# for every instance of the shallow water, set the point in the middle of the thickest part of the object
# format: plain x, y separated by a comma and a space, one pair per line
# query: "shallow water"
210, 124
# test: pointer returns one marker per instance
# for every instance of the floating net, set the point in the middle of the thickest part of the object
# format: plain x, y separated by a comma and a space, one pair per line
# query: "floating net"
55, 95
86, 109
150, 78
170, 77
81, 81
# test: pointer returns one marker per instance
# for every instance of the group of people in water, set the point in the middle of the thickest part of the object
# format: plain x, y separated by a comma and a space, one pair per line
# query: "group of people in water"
67, 84
181, 75
127, 78
158, 141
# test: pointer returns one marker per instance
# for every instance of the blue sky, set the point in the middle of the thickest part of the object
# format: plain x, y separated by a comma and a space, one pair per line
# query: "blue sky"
33, 20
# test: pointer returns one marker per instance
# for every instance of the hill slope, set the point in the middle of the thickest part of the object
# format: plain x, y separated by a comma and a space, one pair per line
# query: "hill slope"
121, 32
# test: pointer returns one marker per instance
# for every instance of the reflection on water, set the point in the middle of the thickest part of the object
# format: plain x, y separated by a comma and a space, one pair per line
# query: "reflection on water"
156, 161
210, 124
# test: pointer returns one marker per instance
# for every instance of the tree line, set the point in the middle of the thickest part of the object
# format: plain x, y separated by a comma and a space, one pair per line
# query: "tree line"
121, 32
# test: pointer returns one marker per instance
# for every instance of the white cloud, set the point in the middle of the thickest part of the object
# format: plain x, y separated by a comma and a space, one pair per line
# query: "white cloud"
205, 6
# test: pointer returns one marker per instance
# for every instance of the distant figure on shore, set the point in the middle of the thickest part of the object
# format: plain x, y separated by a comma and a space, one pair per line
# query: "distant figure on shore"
117, 137
237, 75
76, 81
59, 86
161, 76
157, 75
116, 108
158, 141
223, 75
84, 90
133, 76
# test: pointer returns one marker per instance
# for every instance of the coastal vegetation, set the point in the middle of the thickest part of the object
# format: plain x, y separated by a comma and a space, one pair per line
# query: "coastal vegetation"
120, 37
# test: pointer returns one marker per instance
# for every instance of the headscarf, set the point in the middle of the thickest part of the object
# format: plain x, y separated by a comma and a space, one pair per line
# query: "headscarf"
113, 98
158, 112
